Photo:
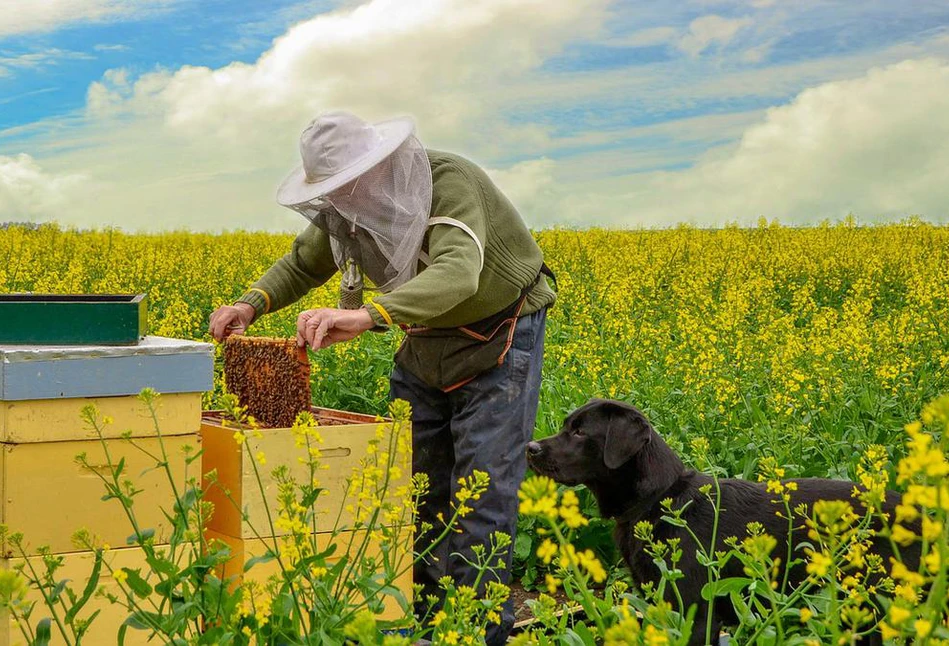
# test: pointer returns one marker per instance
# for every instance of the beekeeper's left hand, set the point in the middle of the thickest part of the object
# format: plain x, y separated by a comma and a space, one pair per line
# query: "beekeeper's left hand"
323, 327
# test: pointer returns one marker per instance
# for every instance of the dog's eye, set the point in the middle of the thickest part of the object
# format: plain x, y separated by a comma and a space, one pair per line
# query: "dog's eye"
576, 430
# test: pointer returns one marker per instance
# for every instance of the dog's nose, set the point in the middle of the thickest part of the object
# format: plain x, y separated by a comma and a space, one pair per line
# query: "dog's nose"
533, 448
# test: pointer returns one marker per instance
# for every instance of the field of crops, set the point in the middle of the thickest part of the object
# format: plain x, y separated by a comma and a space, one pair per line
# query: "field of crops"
804, 344
813, 348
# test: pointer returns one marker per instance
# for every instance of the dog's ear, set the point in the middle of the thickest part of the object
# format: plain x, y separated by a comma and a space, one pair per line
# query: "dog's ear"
627, 432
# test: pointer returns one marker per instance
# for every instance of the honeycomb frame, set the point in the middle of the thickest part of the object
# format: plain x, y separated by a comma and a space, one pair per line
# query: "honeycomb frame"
270, 376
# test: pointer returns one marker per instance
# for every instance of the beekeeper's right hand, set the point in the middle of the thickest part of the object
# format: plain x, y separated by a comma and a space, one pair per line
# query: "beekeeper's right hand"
230, 319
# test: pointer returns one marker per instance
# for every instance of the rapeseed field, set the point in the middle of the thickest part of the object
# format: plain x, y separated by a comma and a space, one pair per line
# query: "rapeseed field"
805, 345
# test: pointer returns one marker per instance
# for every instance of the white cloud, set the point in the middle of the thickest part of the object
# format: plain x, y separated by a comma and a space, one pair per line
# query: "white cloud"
529, 185
426, 58
36, 59
877, 146
175, 143
102, 47
29, 192
646, 37
27, 16
711, 30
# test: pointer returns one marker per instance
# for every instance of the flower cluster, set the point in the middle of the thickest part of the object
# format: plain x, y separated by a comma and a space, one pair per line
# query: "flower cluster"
561, 513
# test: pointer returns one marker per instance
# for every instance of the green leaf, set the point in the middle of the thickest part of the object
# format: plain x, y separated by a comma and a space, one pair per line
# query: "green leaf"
724, 587
58, 590
142, 620
571, 638
145, 535
585, 634
522, 546
742, 609
310, 496
264, 558
162, 565
187, 501
88, 590
42, 633
136, 583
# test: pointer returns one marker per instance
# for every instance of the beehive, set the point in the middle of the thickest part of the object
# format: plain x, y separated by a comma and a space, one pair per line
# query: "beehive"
346, 441
77, 567
47, 495
86, 319
346, 438
44, 493
271, 377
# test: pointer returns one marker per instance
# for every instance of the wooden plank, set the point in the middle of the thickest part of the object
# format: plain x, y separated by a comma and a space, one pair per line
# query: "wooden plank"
87, 319
344, 445
55, 420
61, 372
77, 567
48, 496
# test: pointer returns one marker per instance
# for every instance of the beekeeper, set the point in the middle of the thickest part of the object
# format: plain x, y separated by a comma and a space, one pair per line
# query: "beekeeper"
447, 257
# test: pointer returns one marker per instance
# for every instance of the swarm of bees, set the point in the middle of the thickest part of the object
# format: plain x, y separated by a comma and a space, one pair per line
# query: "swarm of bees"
271, 377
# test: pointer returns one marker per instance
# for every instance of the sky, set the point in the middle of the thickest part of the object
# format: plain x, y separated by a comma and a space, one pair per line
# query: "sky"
186, 114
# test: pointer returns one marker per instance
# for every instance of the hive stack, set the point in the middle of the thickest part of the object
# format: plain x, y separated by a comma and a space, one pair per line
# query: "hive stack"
268, 378
43, 492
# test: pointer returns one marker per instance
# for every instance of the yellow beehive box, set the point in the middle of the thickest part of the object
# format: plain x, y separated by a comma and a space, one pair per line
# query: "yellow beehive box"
57, 420
346, 441
242, 550
77, 567
47, 496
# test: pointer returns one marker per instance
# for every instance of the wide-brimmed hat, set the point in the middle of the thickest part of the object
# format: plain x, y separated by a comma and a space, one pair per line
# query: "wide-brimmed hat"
338, 147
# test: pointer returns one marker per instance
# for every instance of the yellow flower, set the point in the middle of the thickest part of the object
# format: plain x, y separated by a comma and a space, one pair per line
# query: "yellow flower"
655, 637
547, 550
922, 627
898, 614
932, 529
552, 583
903, 536
887, 632
819, 563
120, 576
239, 437
932, 561
806, 615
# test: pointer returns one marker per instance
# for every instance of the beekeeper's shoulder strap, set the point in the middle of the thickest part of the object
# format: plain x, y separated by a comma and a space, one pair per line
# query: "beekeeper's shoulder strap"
461, 225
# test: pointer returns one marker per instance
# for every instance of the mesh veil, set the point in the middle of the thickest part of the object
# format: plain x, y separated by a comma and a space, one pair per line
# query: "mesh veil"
379, 220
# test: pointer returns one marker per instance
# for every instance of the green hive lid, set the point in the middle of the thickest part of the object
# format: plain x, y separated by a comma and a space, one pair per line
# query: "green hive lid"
72, 319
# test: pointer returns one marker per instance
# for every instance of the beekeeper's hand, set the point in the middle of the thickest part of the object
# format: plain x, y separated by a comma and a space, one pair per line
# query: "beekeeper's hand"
231, 319
323, 327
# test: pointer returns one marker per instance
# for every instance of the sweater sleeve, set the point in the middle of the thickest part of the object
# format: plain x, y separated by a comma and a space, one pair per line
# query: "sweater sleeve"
455, 257
308, 265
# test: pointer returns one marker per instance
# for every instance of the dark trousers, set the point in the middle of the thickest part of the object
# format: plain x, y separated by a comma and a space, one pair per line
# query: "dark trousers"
484, 425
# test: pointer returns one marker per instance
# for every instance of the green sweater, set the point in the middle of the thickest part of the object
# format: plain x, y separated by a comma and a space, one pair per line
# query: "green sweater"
449, 292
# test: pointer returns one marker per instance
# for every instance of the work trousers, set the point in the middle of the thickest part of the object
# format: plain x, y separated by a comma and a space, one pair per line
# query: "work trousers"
484, 425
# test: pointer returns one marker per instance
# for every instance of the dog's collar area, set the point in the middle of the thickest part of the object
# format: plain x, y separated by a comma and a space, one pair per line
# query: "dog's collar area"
639, 509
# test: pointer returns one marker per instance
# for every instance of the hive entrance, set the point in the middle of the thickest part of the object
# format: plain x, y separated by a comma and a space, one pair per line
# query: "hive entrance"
271, 377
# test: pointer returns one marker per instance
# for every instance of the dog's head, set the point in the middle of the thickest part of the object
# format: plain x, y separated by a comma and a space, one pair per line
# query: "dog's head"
597, 438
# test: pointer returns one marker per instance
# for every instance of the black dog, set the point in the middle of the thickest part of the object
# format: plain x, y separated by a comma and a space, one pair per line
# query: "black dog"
610, 447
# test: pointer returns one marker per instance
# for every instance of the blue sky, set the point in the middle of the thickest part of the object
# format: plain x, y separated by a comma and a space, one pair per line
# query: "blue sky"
184, 113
